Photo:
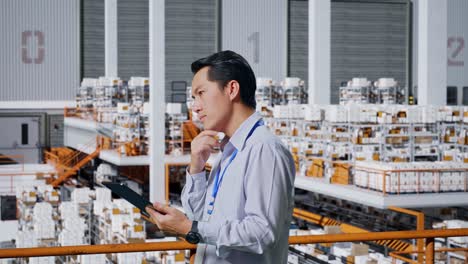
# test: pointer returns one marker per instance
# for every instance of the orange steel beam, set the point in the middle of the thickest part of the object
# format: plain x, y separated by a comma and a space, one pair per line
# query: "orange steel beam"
94, 249
322, 220
63, 167
49, 155
25, 173
396, 256
319, 219
76, 154
436, 250
182, 245
356, 237
419, 226
72, 171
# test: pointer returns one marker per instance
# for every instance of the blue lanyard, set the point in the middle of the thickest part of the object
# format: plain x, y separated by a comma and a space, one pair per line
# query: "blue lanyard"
219, 179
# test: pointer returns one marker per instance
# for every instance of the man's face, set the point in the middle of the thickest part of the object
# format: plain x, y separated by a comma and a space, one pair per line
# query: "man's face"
210, 102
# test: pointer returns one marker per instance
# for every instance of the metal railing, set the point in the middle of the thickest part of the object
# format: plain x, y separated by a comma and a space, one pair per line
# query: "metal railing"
400, 247
428, 235
436, 173
419, 226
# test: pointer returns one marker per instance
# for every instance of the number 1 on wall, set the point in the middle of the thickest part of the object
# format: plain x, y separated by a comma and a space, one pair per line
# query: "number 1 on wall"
254, 38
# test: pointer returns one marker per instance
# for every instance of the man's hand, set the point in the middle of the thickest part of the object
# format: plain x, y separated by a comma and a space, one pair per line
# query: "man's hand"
201, 148
169, 219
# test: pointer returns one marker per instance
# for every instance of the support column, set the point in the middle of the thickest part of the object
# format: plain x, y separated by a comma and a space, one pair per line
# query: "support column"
319, 51
432, 52
157, 100
110, 38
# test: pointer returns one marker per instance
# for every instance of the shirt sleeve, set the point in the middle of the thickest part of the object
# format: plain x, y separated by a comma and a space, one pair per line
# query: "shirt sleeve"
268, 184
193, 195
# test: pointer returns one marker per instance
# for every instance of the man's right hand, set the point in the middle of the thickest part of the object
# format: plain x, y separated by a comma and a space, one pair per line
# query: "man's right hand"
201, 148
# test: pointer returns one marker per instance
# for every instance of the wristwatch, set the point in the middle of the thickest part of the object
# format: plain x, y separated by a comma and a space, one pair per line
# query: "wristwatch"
193, 237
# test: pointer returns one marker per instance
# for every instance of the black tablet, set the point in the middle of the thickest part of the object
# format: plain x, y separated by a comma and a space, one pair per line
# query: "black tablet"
130, 195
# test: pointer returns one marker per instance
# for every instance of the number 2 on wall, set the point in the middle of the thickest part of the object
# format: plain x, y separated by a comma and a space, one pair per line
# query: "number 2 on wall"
455, 47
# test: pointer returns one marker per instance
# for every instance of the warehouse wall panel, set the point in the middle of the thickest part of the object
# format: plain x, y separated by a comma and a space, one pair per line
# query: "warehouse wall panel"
39, 47
20, 136
368, 39
190, 35
258, 31
55, 130
298, 39
457, 45
92, 38
133, 38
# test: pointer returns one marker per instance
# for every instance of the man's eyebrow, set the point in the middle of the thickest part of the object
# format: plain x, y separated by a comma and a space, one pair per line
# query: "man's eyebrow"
194, 91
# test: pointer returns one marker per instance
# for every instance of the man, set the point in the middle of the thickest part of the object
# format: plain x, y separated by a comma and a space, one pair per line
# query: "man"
241, 213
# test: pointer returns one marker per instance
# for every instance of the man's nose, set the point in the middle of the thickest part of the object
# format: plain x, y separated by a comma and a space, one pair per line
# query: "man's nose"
196, 106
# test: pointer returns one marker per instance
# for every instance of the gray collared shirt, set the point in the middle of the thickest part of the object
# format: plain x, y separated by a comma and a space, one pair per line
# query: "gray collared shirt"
252, 212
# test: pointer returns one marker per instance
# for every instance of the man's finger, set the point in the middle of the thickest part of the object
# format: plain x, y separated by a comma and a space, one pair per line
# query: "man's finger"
211, 144
150, 219
210, 133
150, 211
155, 216
161, 208
155, 213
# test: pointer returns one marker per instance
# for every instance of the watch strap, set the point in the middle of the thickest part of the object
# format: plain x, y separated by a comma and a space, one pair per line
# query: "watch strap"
194, 226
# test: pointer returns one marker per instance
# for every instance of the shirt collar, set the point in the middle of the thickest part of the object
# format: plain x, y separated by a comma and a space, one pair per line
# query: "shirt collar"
239, 137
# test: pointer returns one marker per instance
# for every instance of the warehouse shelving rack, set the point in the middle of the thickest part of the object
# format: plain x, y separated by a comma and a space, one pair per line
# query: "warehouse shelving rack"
85, 211
175, 134
357, 95
461, 256
396, 145
425, 142
390, 95
366, 136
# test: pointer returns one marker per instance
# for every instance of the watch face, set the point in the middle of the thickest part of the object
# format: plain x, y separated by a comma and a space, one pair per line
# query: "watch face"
193, 238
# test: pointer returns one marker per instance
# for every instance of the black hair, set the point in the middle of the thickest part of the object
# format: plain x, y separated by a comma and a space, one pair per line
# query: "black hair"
225, 66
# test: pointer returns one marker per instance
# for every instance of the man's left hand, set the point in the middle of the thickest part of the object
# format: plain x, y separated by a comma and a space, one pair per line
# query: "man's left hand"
169, 219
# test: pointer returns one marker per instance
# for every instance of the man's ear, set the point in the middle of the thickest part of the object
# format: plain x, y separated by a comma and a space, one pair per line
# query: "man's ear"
233, 89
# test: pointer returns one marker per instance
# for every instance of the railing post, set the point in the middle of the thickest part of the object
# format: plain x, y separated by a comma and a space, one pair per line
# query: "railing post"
419, 227
192, 256
384, 191
420, 242
430, 250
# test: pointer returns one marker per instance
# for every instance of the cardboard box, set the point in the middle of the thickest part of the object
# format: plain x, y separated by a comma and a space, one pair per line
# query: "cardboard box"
341, 173
316, 168
330, 230
359, 249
